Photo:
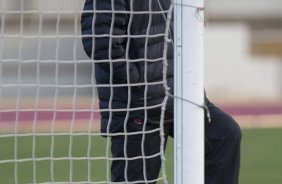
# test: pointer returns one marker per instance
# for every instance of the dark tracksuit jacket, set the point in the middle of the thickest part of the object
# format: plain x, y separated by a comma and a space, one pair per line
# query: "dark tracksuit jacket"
140, 60
125, 48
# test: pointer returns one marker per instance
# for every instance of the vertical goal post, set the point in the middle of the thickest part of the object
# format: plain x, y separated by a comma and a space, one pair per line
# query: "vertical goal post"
188, 73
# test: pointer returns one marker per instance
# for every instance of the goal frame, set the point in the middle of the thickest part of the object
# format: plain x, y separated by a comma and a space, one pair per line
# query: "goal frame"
188, 80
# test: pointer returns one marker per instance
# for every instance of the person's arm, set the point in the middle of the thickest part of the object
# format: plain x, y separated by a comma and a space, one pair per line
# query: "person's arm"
107, 24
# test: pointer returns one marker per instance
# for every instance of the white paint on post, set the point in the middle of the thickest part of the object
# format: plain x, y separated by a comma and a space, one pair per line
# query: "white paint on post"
188, 72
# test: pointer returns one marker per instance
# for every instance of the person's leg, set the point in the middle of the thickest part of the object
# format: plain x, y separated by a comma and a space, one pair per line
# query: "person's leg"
129, 165
222, 148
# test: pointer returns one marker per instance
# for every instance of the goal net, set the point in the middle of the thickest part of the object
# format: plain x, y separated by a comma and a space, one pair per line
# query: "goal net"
65, 93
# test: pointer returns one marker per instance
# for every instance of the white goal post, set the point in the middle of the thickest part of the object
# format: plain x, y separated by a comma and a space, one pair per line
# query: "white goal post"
49, 109
189, 117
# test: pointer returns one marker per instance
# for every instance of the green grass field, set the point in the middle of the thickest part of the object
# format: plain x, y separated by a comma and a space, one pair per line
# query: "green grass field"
261, 158
261, 161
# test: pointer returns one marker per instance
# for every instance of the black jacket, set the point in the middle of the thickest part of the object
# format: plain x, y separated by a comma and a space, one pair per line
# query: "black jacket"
134, 58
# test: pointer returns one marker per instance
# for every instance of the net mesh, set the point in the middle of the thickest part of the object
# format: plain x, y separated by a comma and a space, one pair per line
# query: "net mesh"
49, 112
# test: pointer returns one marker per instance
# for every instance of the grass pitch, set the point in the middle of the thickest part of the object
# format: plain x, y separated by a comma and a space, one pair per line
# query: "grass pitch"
261, 161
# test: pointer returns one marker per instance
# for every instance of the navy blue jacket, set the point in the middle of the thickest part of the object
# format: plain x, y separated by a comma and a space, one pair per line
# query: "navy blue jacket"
135, 59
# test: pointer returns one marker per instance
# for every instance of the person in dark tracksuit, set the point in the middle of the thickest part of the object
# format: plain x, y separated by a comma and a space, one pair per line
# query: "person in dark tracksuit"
222, 134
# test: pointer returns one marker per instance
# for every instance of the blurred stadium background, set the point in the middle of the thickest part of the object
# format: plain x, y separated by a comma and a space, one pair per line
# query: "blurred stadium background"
243, 75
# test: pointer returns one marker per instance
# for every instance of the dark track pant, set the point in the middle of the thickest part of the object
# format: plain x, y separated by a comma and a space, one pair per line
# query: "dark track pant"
222, 151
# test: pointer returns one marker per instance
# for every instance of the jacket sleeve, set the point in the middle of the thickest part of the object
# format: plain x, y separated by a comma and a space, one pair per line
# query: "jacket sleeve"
104, 42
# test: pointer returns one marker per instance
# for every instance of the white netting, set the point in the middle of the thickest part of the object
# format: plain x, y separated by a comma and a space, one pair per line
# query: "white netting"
49, 112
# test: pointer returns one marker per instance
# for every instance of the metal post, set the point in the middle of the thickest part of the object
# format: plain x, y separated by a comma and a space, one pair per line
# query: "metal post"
188, 80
